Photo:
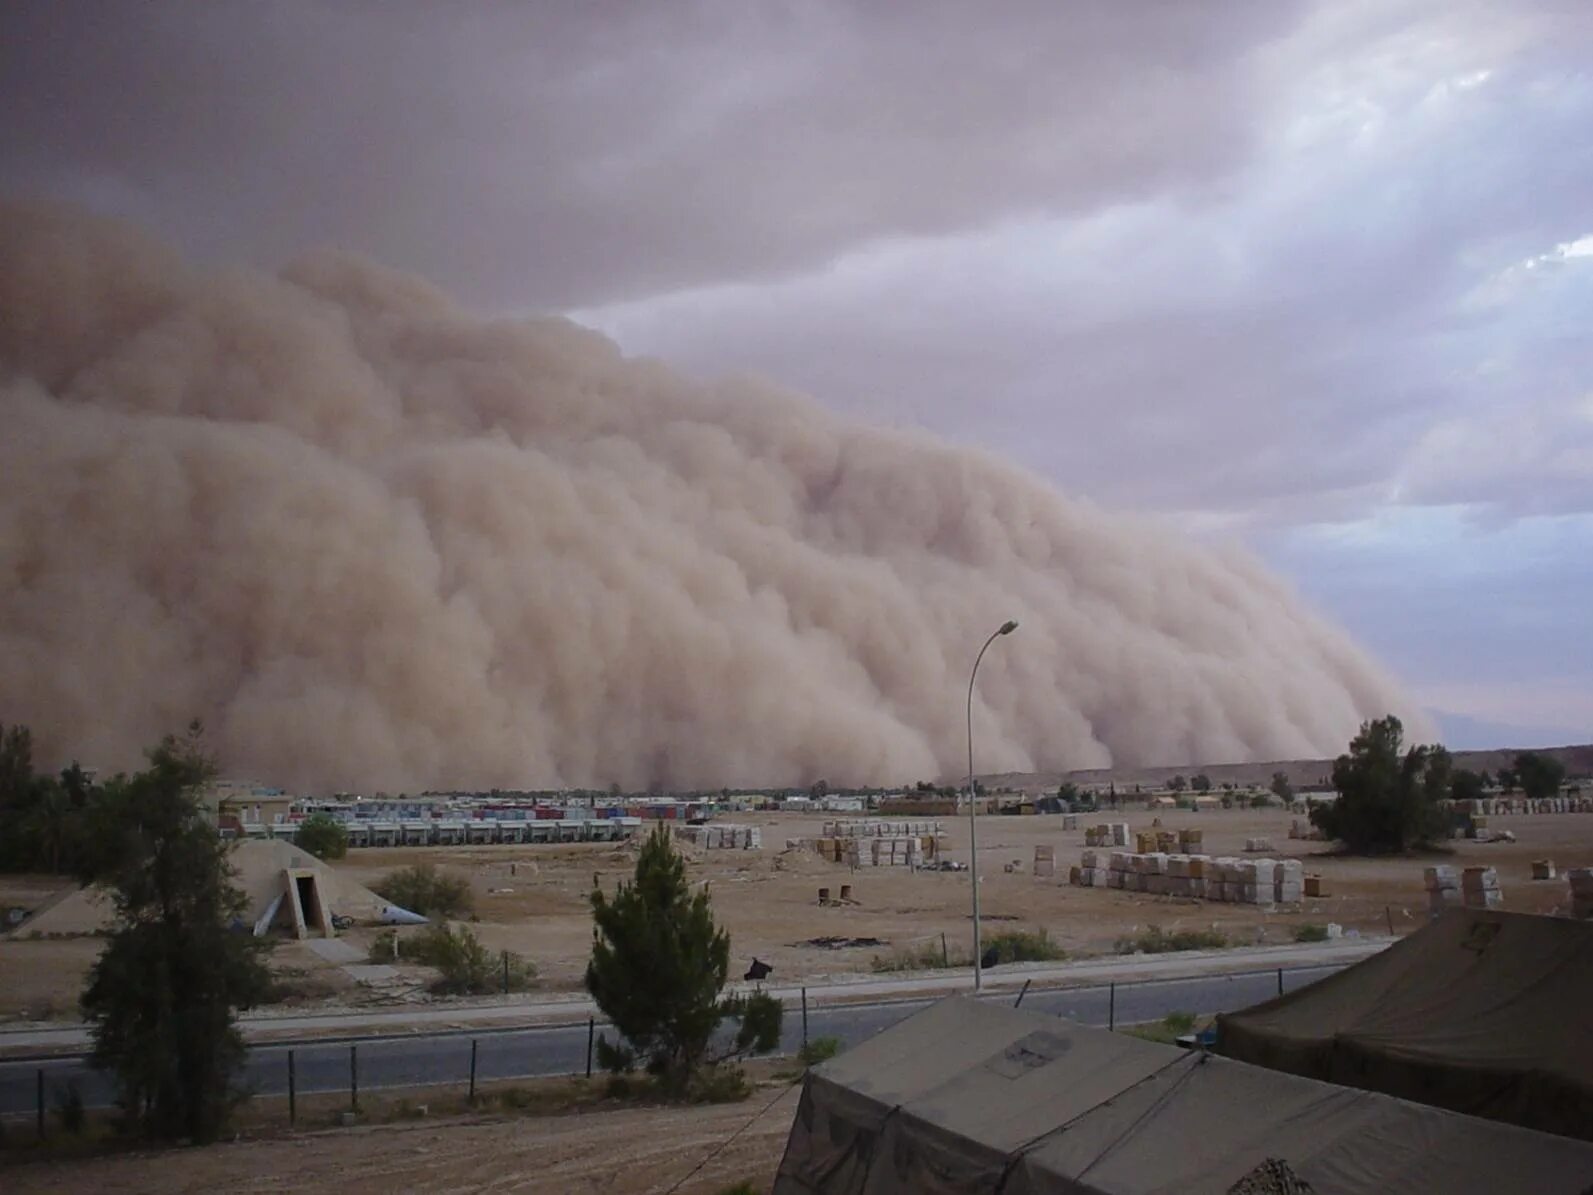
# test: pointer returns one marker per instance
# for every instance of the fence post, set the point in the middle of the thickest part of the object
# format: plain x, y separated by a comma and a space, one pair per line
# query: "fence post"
472, 1070
1111, 1006
354, 1078
804, 1017
41, 1103
591, 1032
1389, 913
945, 955
1023, 993
506, 972
293, 1092
1280, 981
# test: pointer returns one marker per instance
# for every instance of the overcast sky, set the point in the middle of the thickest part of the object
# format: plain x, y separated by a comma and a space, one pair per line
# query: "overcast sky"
1317, 277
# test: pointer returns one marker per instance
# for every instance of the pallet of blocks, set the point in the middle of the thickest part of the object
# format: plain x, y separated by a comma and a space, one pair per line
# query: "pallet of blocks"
1479, 888
1190, 841
1288, 881
884, 852
1443, 888
1107, 834
1044, 860
1580, 880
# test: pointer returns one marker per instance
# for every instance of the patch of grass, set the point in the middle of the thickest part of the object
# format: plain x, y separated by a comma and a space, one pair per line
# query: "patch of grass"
820, 1049
1156, 940
1167, 1031
1310, 932
425, 890
925, 956
744, 1187
1024, 946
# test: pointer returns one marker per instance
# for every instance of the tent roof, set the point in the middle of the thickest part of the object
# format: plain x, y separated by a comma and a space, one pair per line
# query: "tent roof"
1481, 1011
967, 1095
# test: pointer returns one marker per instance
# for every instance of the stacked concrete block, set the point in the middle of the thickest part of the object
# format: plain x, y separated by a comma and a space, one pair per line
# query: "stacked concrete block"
1107, 834
870, 851
1288, 881
1189, 841
722, 837
1543, 869
874, 827
1070, 821
1479, 887
1443, 888
1314, 888
1258, 846
1044, 860
1580, 880
1167, 842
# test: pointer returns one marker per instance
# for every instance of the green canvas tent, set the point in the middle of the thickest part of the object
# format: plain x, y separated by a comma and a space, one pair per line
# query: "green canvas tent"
968, 1097
1482, 1012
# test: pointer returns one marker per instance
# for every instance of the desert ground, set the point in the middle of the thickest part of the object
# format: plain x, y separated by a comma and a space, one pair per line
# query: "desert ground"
533, 899
574, 1154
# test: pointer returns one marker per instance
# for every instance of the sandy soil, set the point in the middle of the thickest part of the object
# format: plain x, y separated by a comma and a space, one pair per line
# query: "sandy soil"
533, 899
573, 1154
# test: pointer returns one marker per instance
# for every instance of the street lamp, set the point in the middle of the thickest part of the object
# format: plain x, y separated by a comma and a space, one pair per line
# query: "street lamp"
1006, 628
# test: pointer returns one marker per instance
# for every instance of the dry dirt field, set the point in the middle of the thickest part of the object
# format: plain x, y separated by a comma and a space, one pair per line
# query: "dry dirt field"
533, 899
547, 1155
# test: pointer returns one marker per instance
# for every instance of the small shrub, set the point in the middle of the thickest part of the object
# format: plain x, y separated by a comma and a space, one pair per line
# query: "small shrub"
468, 968
1310, 933
1024, 946
1260, 801
1156, 940
425, 890
69, 1108
384, 947
820, 1049
718, 1085
620, 1087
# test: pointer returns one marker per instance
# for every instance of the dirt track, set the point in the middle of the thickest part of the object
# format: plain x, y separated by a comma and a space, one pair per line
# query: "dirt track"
628, 1151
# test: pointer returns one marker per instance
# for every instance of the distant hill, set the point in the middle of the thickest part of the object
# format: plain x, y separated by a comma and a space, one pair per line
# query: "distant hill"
1302, 773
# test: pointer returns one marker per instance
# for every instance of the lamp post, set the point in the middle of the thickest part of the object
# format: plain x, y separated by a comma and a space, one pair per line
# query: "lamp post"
1005, 628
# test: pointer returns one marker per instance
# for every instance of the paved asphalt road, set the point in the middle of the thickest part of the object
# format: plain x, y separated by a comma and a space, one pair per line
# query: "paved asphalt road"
416, 1060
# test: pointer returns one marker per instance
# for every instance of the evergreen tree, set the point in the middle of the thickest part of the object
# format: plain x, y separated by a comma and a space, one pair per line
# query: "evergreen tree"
658, 966
323, 836
1539, 775
163, 995
1387, 803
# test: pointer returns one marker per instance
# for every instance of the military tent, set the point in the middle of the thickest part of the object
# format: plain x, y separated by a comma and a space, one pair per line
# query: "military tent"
1483, 1012
969, 1097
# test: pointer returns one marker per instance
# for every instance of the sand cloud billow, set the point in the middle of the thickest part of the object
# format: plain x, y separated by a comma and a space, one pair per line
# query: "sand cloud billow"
377, 541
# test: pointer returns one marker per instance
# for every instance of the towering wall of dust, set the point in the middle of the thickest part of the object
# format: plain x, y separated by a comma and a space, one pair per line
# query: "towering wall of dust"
376, 541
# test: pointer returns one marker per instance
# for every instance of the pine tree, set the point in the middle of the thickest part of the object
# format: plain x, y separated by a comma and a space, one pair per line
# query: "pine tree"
658, 966
163, 995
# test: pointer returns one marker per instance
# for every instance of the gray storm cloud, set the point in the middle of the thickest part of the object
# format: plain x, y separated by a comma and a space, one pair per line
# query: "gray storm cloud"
376, 541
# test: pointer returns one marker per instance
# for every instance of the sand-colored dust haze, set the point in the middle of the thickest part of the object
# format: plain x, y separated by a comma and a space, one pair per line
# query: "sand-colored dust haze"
377, 541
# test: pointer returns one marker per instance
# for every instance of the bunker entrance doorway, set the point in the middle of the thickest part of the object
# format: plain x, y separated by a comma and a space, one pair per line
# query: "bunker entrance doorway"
310, 903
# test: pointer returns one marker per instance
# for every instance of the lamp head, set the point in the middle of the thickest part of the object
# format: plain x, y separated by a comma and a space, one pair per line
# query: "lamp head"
1008, 627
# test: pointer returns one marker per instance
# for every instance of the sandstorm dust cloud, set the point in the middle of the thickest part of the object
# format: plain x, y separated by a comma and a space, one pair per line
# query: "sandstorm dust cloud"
377, 541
